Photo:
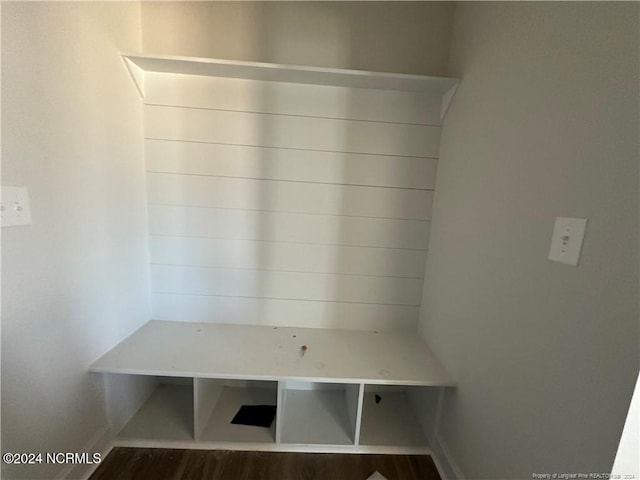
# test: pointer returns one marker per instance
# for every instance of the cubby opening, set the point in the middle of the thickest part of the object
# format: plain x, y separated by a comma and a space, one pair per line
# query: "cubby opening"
218, 401
166, 415
319, 413
390, 415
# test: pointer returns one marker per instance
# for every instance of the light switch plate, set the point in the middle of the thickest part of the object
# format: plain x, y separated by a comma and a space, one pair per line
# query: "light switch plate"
14, 206
566, 240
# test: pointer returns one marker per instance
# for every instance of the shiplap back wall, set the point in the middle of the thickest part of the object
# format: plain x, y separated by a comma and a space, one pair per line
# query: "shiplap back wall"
288, 204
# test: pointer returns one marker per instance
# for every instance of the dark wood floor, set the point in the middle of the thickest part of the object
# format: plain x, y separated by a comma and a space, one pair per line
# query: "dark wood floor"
165, 464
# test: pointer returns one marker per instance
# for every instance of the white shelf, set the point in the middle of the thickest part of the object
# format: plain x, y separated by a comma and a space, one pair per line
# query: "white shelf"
242, 352
390, 422
317, 417
291, 73
166, 415
219, 427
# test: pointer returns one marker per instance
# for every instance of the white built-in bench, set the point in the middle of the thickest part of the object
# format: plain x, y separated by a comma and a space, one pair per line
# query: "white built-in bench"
283, 195
324, 383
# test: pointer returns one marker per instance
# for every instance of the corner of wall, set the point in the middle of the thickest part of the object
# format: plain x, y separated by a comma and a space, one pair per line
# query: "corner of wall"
445, 463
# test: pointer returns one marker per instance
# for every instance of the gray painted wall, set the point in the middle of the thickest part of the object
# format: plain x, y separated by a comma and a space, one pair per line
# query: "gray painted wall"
74, 283
544, 124
402, 37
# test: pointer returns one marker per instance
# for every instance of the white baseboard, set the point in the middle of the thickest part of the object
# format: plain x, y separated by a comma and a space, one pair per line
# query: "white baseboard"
101, 442
445, 463
104, 445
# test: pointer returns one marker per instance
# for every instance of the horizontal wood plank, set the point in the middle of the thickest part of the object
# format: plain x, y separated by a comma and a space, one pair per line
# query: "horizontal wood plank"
285, 285
276, 312
287, 227
294, 165
292, 99
251, 194
226, 253
309, 133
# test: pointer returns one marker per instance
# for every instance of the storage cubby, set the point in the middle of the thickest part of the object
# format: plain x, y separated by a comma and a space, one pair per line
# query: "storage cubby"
319, 413
389, 416
166, 415
218, 401
324, 395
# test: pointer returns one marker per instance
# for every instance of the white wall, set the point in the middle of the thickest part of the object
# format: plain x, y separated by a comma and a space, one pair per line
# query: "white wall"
544, 124
76, 281
328, 225
403, 37
288, 204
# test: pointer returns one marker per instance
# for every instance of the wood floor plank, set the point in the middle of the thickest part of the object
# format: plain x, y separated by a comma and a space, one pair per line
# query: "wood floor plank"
173, 464
201, 465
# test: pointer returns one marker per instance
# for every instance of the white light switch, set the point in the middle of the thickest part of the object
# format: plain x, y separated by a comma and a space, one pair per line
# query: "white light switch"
14, 206
566, 241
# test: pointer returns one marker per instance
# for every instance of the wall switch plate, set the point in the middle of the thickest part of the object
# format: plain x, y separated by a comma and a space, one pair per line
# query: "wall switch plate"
14, 206
566, 240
